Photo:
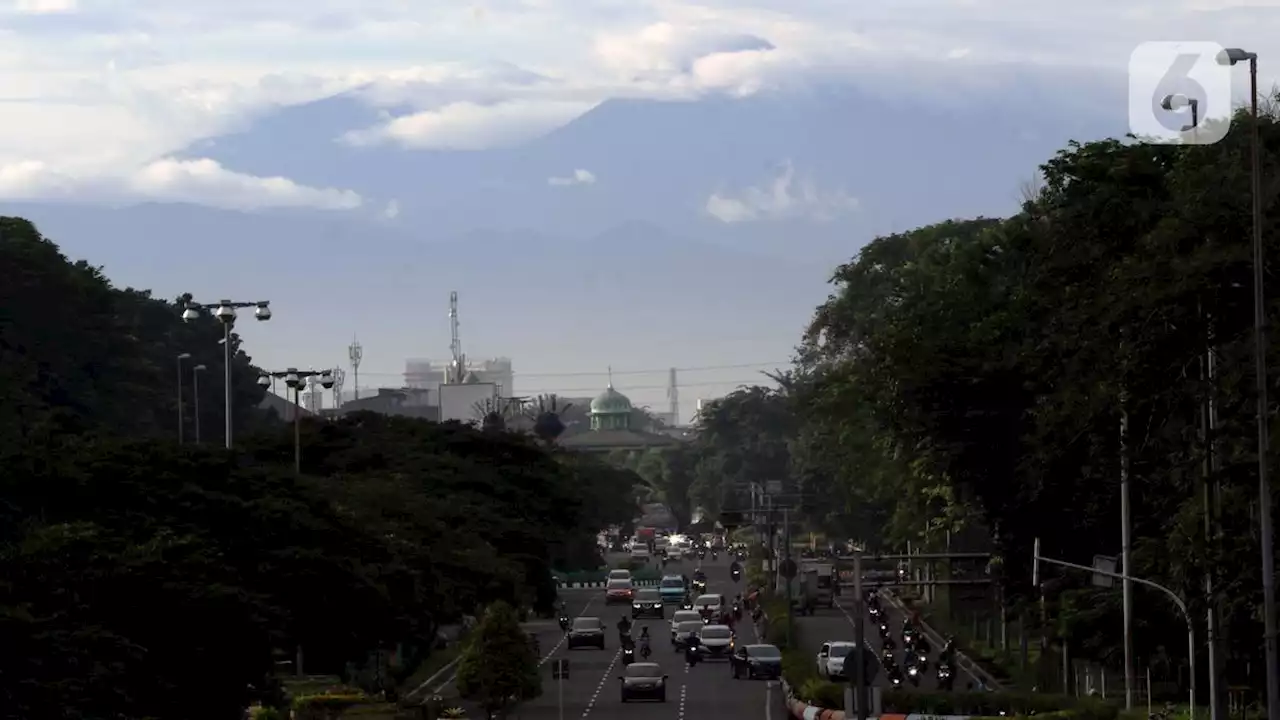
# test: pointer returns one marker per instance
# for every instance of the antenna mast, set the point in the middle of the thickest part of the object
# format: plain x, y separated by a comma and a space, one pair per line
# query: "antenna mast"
458, 368
355, 353
673, 395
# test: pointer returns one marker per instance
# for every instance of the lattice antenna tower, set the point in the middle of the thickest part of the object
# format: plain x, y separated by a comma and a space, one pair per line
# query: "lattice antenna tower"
355, 354
339, 377
459, 367
673, 396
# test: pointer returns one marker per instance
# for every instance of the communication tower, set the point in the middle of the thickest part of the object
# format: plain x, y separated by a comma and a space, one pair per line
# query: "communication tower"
355, 353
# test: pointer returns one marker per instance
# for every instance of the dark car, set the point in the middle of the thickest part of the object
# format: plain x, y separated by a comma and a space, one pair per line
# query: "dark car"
757, 661
647, 603
643, 681
587, 632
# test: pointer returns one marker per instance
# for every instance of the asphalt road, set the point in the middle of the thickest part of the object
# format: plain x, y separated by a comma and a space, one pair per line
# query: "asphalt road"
592, 690
837, 624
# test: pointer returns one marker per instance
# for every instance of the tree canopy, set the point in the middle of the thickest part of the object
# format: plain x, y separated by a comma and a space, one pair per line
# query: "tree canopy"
143, 578
969, 378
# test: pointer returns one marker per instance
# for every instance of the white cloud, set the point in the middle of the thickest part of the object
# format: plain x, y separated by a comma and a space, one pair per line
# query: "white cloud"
192, 181
43, 7
579, 177
784, 197
392, 210
133, 82
470, 126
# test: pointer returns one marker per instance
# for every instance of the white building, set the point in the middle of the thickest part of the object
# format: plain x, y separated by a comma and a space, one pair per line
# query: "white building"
428, 375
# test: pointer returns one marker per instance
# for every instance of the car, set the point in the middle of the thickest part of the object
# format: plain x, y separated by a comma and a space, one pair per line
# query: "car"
640, 553
619, 574
618, 591
586, 632
680, 633
647, 603
831, 659
675, 553
681, 616
672, 588
643, 681
715, 641
756, 661
711, 603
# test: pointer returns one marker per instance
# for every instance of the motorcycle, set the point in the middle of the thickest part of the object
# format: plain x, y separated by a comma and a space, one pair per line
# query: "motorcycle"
564, 623
945, 677
644, 650
922, 659
628, 655
737, 611
913, 674
737, 575
714, 555
884, 630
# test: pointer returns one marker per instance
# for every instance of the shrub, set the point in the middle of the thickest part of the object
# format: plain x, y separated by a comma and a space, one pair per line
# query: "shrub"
265, 713
823, 693
993, 704
325, 707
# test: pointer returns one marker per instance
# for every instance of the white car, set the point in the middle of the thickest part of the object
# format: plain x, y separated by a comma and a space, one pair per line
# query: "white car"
675, 553
620, 574
684, 616
712, 602
640, 552
831, 659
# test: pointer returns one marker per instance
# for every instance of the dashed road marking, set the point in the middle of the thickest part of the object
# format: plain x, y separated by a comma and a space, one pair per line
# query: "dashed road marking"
600, 687
565, 636
684, 692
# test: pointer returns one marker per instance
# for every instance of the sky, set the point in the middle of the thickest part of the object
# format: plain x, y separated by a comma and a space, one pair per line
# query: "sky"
102, 99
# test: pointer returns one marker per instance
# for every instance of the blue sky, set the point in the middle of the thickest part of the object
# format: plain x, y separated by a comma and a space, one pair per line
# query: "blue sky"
105, 100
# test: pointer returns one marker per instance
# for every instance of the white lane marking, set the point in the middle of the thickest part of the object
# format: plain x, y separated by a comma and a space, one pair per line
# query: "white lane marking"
684, 692
600, 686
565, 636
768, 700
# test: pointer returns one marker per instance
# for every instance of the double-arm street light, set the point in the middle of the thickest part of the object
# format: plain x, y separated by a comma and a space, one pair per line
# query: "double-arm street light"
296, 380
1235, 56
225, 312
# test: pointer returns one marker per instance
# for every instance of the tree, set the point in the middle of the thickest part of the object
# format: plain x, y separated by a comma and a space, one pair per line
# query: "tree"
547, 423
498, 667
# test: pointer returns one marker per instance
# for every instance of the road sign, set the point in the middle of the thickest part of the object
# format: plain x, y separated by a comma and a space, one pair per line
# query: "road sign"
560, 669
788, 568
1107, 564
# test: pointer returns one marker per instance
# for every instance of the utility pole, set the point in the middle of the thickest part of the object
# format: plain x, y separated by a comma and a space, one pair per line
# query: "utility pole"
791, 616
859, 675
355, 353
1211, 467
1125, 543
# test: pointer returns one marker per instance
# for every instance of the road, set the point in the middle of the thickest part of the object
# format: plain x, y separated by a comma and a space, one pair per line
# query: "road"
837, 624
706, 690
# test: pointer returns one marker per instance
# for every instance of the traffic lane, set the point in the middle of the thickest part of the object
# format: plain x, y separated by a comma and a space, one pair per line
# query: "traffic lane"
593, 688
895, 619
833, 625
587, 666
710, 689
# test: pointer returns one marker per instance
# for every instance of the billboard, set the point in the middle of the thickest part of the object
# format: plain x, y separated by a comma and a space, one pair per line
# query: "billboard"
463, 402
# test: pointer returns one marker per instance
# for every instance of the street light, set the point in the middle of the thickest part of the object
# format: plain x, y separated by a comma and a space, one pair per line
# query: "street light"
1234, 56
195, 396
1177, 102
296, 380
181, 357
225, 312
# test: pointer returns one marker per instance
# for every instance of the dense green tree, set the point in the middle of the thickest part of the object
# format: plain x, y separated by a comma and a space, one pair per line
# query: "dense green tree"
498, 667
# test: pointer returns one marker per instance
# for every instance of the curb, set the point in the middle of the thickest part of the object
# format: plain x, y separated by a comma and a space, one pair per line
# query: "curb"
602, 583
974, 670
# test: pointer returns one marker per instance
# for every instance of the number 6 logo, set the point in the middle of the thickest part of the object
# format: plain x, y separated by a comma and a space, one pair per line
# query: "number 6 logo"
1179, 93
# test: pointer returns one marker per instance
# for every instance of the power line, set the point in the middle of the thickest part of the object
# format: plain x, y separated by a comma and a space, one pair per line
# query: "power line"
704, 368
632, 388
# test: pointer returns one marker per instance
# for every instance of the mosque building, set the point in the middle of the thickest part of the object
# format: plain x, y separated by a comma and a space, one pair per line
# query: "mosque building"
611, 416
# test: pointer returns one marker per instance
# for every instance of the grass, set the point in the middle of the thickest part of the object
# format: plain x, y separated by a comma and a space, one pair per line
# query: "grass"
432, 665
1005, 665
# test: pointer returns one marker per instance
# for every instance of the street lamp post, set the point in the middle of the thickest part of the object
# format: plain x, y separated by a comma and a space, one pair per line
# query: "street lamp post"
296, 380
195, 396
181, 419
225, 312
1234, 56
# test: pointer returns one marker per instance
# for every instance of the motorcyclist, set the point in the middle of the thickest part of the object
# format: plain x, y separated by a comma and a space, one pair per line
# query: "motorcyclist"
624, 628
691, 649
644, 642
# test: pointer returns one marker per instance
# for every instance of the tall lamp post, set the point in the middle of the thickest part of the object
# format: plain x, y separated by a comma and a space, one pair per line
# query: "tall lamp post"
181, 419
225, 312
195, 396
1234, 56
296, 380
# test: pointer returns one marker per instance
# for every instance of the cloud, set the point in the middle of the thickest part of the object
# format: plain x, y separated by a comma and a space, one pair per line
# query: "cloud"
392, 210
143, 80
579, 177
784, 197
470, 126
199, 181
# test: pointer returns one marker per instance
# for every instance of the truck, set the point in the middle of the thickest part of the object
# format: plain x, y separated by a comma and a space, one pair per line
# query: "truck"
825, 583
803, 591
